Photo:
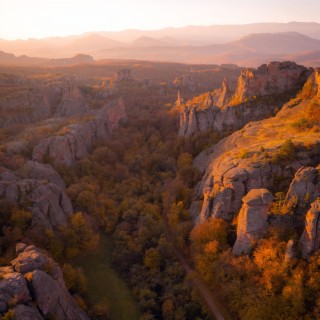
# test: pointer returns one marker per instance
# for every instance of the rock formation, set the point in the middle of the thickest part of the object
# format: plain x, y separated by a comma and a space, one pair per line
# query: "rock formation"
290, 253
49, 204
43, 172
254, 99
71, 103
41, 102
252, 220
304, 187
123, 75
33, 287
310, 239
244, 161
78, 138
274, 78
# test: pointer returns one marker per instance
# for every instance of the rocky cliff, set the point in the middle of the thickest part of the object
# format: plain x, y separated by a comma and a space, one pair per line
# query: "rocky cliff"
78, 138
33, 288
251, 158
258, 95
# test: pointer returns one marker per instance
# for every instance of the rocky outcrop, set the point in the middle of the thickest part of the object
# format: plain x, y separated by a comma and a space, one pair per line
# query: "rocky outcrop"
50, 206
24, 107
123, 75
290, 252
42, 102
71, 103
252, 220
78, 138
34, 288
247, 160
271, 79
42, 172
258, 96
305, 187
310, 239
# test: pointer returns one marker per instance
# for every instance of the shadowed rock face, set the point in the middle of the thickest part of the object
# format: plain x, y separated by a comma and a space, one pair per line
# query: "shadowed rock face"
49, 204
43, 102
40, 171
252, 220
226, 110
37, 294
78, 138
310, 239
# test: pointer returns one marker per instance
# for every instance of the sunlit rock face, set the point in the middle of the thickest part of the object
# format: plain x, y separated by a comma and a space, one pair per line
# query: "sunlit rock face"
34, 283
224, 109
252, 220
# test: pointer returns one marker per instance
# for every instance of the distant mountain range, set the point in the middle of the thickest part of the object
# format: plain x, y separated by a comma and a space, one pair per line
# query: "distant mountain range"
193, 44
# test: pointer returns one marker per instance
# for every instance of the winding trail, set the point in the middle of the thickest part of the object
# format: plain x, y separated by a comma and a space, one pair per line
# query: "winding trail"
218, 310
216, 307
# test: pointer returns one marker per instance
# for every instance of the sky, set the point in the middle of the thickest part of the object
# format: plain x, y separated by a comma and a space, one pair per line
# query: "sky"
23, 19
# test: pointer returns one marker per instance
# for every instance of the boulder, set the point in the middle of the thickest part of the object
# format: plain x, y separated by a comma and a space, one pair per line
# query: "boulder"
20, 247
14, 289
29, 260
252, 220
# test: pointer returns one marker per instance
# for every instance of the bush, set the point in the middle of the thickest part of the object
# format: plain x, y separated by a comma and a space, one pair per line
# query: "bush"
285, 152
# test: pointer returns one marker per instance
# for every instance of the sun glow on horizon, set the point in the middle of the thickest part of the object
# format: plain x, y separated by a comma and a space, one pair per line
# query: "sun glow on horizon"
50, 18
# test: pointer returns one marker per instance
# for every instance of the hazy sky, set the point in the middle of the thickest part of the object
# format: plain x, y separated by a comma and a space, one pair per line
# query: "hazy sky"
41, 18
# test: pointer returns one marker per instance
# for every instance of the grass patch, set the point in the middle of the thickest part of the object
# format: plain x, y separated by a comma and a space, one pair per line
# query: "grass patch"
104, 284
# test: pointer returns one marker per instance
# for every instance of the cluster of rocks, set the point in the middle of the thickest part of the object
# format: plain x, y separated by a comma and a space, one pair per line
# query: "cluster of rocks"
226, 109
34, 289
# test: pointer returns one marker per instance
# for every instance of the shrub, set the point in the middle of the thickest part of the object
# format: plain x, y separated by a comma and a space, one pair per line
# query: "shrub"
285, 152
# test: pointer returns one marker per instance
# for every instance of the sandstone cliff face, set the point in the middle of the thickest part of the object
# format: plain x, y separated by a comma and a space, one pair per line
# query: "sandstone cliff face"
310, 239
50, 206
78, 138
252, 220
226, 110
34, 288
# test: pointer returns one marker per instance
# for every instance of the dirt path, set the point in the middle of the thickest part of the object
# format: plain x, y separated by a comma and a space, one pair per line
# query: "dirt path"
217, 309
